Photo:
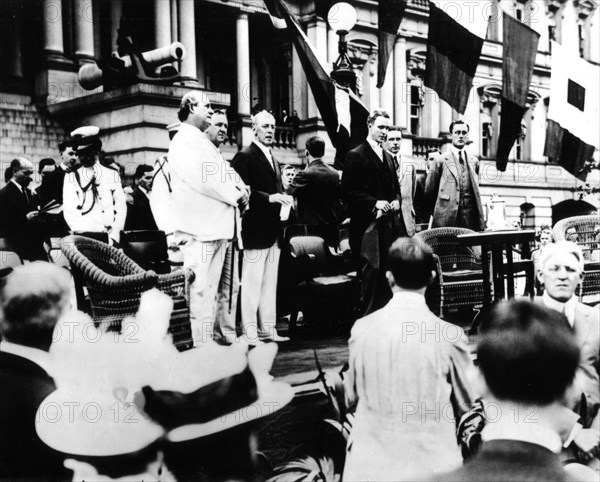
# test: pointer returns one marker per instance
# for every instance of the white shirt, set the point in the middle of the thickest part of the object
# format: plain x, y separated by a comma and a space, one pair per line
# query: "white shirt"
507, 429
35, 355
266, 151
568, 308
376, 147
456, 153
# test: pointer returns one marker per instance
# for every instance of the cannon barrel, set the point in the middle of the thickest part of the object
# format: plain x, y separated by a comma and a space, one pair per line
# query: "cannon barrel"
90, 75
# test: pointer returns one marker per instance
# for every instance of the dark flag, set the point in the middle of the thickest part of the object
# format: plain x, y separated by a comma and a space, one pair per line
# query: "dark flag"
344, 115
519, 46
572, 132
390, 17
453, 52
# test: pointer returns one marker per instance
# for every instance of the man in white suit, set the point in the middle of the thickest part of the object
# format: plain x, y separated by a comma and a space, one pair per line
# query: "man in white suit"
204, 197
452, 186
408, 378
407, 178
560, 270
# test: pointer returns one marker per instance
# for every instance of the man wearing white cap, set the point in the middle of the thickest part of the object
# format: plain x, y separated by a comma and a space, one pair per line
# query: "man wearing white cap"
93, 198
204, 198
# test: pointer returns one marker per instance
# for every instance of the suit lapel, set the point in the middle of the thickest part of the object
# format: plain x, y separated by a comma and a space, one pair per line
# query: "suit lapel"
581, 325
275, 172
373, 157
453, 166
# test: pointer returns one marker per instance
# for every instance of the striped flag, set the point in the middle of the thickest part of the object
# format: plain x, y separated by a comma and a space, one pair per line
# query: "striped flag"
453, 52
519, 46
344, 115
390, 17
572, 132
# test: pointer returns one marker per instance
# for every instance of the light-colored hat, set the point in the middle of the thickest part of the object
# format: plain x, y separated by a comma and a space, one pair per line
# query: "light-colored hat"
87, 137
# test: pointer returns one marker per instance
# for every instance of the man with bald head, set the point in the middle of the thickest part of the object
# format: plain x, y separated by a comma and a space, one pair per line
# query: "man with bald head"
204, 200
261, 230
18, 212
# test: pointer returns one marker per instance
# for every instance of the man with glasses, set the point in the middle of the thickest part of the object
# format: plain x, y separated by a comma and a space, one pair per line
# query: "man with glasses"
371, 190
452, 186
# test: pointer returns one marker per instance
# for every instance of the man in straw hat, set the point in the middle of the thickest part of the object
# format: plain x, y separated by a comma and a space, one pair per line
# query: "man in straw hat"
93, 198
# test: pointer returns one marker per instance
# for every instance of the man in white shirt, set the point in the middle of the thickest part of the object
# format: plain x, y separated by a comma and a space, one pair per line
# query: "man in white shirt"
93, 198
452, 186
204, 199
560, 270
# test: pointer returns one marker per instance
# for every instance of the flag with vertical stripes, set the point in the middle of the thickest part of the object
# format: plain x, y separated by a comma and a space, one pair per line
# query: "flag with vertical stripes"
390, 16
519, 48
344, 115
453, 51
573, 128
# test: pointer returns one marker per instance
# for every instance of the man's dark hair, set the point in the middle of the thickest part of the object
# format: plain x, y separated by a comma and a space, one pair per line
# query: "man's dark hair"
46, 161
395, 128
15, 165
375, 114
526, 352
142, 169
456, 122
62, 146
315, 147
411, 261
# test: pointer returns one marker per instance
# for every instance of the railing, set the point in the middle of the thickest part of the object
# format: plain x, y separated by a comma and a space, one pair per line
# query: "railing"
423, 144
285, 137
419, 4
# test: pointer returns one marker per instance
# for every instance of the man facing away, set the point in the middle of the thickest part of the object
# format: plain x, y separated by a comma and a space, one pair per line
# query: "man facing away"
32, 300
261, 231
316, 189
229, 282
408, 377
560, 270
204, 200
139, 214
527, 360
452, 186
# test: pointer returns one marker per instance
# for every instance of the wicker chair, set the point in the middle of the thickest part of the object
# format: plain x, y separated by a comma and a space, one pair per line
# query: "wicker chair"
459, 281
587, 240
115, 284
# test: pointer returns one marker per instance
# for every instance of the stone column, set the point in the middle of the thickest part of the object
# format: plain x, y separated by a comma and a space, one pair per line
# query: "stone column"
386, 91
445, 118
162, 23
116, 12
317, 35
332, 45
244, 97
187, 36
84, 31
53, 30
400, 83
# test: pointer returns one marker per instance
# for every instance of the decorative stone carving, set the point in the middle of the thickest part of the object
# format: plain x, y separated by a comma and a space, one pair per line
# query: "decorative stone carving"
585, 8
554, 6
416, 62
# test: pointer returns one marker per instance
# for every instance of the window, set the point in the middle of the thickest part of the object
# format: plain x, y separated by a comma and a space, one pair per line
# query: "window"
416, 104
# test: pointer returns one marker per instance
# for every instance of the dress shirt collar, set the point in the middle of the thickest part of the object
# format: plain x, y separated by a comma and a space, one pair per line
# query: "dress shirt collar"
265, 150
535, 433
376, 147
147, 193
39, 357
21, 188
456, 151
568, 308
408, 297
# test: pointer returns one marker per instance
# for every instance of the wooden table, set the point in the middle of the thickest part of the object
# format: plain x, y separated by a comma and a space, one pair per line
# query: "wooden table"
499, 242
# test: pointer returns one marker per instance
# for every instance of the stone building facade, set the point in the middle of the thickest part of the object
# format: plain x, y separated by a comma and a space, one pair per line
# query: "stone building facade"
240, 61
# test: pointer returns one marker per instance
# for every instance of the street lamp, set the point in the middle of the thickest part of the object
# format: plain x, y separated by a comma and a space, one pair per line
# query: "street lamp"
342, 18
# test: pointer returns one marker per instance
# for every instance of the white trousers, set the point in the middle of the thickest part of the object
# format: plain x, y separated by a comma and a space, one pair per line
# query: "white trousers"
205, 259
259, 293
227, 296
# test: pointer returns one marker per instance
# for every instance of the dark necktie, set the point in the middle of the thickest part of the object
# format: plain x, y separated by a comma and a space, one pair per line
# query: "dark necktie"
461, 158
26, 196
275, 166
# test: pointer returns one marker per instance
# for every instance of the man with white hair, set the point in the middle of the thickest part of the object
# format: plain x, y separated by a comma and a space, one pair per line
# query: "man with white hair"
560, 270
261, 231
204, 199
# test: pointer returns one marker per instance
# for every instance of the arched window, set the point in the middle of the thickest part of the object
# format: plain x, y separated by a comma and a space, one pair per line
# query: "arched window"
527, 216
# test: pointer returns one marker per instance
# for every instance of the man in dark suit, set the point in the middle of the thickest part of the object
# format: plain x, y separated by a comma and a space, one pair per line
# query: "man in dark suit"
261, 230
560, 270
452, 186
370, 188
34, 297
316, 189
139, 214
520, 344
18, 212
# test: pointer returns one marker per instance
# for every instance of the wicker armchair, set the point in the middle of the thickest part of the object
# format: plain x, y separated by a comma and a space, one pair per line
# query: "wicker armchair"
587, 239
459, 281
115, 283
